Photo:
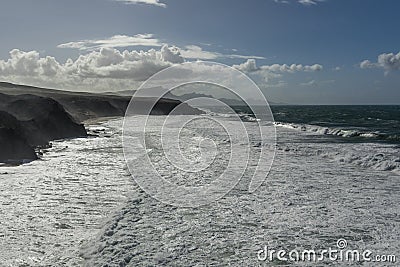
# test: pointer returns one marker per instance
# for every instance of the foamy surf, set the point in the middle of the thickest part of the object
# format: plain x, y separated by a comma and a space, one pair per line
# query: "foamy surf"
309, 199
317, 192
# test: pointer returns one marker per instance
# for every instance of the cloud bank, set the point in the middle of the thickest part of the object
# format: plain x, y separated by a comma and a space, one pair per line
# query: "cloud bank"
109, 69
103, 69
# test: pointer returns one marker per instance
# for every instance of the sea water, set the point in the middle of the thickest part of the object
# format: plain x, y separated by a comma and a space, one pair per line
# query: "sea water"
79, 205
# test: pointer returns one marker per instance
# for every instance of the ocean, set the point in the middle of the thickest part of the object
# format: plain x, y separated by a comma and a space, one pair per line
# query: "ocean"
360, 123
335, 176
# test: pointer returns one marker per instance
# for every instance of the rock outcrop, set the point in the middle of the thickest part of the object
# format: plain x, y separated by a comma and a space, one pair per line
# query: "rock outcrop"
29, 121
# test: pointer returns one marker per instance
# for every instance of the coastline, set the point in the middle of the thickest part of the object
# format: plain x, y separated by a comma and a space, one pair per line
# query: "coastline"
31, 117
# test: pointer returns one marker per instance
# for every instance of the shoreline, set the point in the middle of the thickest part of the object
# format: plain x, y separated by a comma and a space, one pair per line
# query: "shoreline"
56, 204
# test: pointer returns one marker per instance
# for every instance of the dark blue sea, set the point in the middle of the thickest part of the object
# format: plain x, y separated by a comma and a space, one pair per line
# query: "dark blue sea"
357, 123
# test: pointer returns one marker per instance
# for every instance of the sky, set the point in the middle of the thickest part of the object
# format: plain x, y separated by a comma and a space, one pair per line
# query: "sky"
297, 51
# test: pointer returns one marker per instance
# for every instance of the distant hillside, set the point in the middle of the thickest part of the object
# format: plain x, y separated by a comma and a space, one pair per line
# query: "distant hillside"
84, 105
185, 97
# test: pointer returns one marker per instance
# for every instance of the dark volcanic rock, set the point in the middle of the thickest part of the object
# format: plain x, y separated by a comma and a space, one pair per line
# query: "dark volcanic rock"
40, 119
13, 145
14, 148
28, 121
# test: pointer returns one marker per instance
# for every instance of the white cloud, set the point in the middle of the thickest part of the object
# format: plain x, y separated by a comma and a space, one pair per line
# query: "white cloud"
271, 72
95, 70
250, 66
196, 52
281, 1
366, 64
148, 2
309, 2
111, 63
171, 54
303, 2
292, 68
114, 42
387, 61
28, 64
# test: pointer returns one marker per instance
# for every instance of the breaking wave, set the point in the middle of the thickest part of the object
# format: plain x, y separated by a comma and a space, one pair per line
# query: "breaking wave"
375, 155
347, 133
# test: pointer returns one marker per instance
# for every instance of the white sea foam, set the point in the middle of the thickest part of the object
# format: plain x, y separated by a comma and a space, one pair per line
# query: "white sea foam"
78, 207
328, 131
377, 157
308, 201
50, 206
382, 157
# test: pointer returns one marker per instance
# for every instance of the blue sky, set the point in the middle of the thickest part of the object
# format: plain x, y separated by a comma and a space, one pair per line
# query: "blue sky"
343, 51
